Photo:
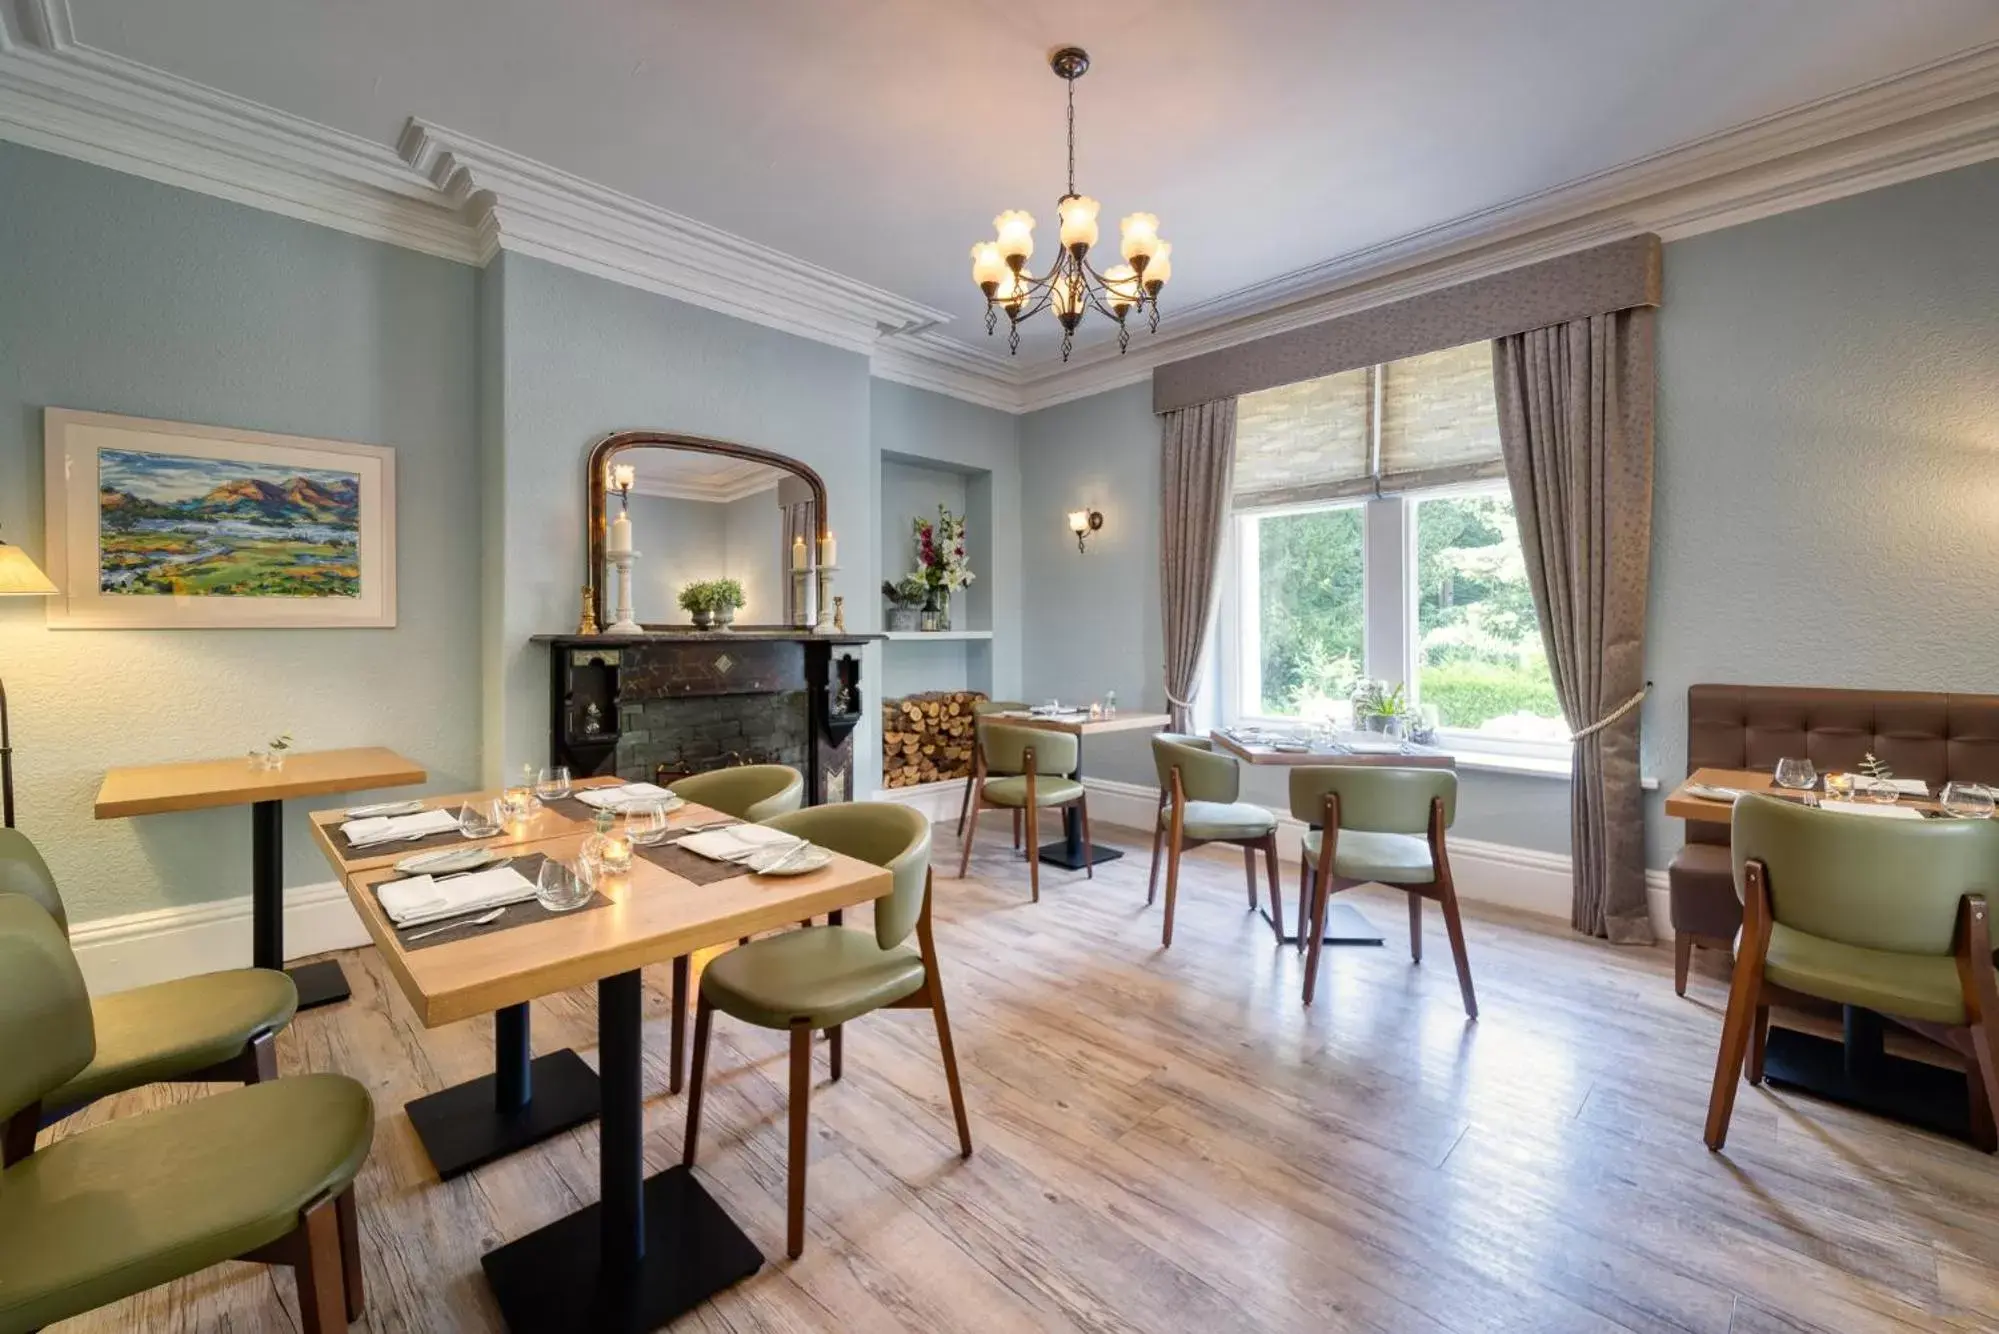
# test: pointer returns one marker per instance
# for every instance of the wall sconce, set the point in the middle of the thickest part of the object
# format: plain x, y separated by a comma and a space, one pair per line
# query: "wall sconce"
623, 476
1084, 522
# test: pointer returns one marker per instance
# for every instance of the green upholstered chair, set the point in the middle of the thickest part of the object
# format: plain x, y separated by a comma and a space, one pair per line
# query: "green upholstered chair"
264, 1173
748, 791
824, 976
1888, 915
1032, 770
1197, 804
980, 710
212, 1028
1377, 825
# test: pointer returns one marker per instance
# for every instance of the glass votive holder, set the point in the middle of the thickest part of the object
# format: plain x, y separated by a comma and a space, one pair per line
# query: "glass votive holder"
517, 802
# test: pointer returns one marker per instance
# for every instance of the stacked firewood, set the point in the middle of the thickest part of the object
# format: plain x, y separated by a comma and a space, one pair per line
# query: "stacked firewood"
928, 738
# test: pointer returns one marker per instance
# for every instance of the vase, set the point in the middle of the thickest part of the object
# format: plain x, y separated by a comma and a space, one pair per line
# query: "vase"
704, 619
725, 617
902, 619
943, 609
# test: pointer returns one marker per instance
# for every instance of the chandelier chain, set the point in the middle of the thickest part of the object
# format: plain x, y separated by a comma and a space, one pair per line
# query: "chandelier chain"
1072, 136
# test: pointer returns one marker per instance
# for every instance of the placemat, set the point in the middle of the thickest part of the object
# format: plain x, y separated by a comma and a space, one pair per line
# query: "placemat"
444, 838
690, 866
515, 914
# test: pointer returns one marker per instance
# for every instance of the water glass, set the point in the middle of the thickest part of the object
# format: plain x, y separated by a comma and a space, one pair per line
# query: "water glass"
561, 885
1880, 791
481, 819
1796, 774
552, 783
1967, 801
646, 825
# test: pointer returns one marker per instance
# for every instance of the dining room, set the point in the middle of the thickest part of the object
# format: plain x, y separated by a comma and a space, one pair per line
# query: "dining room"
613, 748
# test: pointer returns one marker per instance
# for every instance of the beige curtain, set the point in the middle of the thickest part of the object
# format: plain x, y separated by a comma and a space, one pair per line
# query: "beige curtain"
1575, 421
1199, 468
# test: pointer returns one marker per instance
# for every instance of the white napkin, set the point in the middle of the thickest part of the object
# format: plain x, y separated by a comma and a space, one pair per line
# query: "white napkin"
1871, 808
410, 807
618, 798
739, 842
425, 898
385, 828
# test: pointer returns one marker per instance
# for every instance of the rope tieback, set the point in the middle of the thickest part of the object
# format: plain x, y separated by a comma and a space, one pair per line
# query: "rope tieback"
1616, 713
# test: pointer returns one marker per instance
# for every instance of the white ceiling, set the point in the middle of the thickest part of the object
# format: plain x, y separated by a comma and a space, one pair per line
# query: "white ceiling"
878, 137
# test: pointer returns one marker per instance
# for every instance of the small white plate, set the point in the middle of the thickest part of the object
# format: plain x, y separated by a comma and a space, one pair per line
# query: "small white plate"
803, 863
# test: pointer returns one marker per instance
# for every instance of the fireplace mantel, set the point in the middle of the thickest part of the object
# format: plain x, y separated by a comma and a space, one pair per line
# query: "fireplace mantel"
763, 633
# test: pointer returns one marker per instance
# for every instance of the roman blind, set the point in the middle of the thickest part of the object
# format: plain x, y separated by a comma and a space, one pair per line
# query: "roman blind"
1423, 421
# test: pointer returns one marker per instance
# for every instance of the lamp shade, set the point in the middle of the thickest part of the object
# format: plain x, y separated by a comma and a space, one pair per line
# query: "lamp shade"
21, 577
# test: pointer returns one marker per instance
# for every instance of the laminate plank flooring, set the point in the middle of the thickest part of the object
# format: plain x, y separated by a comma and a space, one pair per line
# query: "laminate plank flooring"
1169, 1141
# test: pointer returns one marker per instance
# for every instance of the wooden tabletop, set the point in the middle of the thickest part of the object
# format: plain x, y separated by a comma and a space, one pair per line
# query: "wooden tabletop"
1421, 757
194, 785
1680, 805
653, 916
1081, 724
545, 823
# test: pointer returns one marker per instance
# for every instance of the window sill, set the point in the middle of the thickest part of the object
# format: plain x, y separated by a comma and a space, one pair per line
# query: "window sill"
1526, 766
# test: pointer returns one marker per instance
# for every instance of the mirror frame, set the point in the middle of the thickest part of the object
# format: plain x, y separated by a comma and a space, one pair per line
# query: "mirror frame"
597, 496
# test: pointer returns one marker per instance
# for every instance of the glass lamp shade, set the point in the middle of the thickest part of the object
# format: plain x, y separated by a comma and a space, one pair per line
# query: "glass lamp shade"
1079, 522
1016, 234
1161, 267
1012, 290
21, 577
1139, 233
1121, 286
1079, 221
988, 266
623, 476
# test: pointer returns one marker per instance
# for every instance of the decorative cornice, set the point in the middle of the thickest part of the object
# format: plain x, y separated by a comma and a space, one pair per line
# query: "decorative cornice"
523, 205
935, 361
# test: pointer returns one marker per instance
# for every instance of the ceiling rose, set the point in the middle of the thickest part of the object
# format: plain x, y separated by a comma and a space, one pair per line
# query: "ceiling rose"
1071, 284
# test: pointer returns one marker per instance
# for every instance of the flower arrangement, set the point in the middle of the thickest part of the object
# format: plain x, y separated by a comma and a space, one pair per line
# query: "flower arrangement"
940, 551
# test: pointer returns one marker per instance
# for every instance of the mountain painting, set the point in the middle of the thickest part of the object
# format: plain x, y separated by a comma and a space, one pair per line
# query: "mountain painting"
171, 524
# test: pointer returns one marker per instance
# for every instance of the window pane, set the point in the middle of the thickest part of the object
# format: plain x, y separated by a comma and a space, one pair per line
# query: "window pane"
1309, 611
1479, 661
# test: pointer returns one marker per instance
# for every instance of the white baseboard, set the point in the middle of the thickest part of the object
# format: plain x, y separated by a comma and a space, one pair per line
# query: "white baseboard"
117, 953
939, 800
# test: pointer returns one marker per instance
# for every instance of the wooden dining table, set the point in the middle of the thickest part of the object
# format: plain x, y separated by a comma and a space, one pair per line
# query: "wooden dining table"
1069, 853
1858, 1070
651, 1247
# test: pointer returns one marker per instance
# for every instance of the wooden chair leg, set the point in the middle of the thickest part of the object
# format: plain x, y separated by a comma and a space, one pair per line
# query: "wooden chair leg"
676, 1051
704, 1016
1981, 1005
1454, 927
1249, 873
833, 1045
322, 1296
935, 986
801, 1118
965, 803
1984, 1124
971, 834
1152, 878
1415, 928
1304, 898
1683, 959
1321, 892
1089, 847
1031, 817
1744, 993
1276, 896
348, 1215
1759, 1042
1176, 832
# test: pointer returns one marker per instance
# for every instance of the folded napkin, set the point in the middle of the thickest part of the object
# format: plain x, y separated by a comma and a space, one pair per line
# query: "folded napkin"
388, 828
1872, 808
739, 842
410, 807
1374, 747
618, 798
426, 898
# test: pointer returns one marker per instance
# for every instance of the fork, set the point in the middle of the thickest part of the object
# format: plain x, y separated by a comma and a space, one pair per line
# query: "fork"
492, 916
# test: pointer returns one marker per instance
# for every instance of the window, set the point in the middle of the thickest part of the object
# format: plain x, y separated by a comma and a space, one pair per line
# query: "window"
1374, 537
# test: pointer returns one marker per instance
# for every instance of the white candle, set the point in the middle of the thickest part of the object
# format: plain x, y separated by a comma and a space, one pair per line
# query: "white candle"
798, 558
826, 551
621, 534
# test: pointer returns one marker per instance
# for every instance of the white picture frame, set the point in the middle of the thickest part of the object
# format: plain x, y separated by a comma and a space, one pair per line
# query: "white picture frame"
286, 526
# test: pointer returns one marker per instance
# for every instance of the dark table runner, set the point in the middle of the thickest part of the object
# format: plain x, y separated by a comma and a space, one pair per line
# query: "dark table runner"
515, 914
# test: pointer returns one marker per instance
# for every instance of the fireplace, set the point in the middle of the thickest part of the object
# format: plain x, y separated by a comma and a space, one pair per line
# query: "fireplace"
673, 703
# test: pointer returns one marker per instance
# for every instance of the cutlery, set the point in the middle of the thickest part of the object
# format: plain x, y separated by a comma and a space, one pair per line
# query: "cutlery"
789, 856
704, 828
483, 920
501, 865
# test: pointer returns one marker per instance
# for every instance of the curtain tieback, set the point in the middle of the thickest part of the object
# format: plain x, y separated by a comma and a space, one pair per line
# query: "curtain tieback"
1177, 702
1611, 717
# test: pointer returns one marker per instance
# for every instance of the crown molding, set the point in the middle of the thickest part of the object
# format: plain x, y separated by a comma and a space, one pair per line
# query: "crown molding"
527, 206
945, 365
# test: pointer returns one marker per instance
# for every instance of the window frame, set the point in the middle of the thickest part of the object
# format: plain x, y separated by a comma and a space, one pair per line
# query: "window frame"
1236, 622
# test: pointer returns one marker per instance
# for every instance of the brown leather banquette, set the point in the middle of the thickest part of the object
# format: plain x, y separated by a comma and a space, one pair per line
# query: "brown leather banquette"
1932, 736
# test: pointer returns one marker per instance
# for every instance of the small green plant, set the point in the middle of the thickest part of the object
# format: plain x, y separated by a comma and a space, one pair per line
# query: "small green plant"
728, 594
908, 591
709, 595
280, 743
1874, 768
1374, 698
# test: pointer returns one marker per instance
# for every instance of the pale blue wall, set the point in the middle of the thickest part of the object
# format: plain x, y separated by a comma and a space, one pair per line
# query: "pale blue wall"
120, 295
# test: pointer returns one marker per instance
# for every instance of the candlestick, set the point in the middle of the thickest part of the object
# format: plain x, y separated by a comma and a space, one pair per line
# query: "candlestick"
801, 607
824, 625
625, 624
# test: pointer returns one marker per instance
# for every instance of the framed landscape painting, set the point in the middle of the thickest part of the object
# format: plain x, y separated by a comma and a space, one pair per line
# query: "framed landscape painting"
165, 525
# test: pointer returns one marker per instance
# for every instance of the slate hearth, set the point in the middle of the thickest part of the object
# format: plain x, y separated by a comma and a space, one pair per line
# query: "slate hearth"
673, 737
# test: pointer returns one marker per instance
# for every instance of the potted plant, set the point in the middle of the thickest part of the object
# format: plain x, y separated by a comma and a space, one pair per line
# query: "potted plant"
942, 564
905, 600
728, 594
698, 600
1377, 706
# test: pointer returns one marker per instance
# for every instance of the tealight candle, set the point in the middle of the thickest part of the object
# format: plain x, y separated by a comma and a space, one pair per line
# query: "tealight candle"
516, 801
616, 854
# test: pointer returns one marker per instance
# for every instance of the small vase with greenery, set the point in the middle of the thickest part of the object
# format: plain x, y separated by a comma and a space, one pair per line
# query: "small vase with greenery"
1377, 706
712, 602
905, 600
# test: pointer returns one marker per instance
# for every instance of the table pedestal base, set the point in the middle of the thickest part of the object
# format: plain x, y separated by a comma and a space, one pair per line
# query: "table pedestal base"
1345, 925
464, 1127
1859, 1074
319, 984
553, 1281
1071, 859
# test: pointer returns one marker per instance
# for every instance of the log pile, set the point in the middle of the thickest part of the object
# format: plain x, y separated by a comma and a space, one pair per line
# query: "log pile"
928, 738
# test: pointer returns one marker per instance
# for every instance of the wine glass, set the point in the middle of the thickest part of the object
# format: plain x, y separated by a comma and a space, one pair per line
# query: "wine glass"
1797, 775
1880, 791
552, 783
560, 886
1967, 801
481, 819
646, 825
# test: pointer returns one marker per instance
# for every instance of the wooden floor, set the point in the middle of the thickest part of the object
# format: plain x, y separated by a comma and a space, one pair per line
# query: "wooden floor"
1168, 1141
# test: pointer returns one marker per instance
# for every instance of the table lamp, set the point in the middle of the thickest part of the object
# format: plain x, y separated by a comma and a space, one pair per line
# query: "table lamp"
19, 577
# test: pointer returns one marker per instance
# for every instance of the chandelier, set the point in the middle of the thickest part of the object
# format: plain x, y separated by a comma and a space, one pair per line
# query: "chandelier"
1072, 284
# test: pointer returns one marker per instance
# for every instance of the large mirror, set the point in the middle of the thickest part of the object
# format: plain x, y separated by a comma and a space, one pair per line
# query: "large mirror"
700, 511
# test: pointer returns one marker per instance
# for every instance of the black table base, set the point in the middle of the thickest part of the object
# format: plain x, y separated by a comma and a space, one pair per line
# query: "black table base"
318, 983
522, 1102
1860, 1074
651, 1248
1068, 854
1345, 925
